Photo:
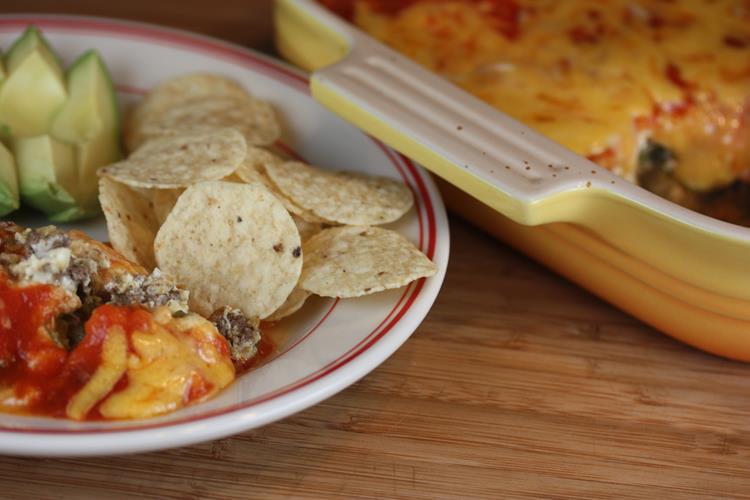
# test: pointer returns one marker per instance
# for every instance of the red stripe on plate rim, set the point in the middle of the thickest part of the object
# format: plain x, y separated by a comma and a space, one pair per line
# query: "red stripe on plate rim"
168, 36
247, 58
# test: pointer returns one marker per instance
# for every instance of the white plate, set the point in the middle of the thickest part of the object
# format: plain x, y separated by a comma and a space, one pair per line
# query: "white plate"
326, 347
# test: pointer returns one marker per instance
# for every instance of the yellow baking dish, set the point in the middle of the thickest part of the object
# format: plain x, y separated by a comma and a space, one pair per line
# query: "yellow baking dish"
682, 272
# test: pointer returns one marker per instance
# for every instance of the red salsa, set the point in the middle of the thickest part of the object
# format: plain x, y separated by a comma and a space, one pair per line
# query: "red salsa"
38, 376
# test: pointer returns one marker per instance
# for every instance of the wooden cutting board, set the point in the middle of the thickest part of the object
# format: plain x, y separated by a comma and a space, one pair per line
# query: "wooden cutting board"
518, 384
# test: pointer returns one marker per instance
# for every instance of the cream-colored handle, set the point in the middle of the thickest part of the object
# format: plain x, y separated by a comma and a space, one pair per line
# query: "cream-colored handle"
516, 165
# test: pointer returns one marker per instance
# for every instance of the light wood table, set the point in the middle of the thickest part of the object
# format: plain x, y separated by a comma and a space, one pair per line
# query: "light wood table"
518, 384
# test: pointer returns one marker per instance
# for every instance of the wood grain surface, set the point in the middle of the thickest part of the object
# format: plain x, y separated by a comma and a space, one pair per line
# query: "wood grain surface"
517, 385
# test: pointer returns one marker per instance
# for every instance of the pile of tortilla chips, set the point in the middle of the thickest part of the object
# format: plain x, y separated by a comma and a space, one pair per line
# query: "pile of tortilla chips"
202, 198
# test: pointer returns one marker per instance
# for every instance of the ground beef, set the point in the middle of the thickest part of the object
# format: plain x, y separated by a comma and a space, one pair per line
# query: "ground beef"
48, 255
149, 291
80, 271
67, 330
242, 333
11, 251
42, 240
8, 259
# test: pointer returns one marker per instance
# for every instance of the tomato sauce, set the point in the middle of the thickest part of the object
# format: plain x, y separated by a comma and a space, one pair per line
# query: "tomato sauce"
265, 348
43, 375
29, 360
39, 377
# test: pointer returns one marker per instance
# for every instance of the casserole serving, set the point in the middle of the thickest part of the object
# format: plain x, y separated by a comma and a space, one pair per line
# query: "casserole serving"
679, 270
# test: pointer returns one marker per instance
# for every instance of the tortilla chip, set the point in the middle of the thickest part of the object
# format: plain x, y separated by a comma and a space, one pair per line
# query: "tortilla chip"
177, 162
257, 158
163, 201
297, 210
342, 197
231, 245
293, 303
188, 87
306, 229
355, 261
253, 169
172, 93
254, 119
131, 222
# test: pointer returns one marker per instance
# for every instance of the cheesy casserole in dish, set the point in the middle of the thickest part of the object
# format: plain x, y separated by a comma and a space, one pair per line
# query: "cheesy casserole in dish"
657, 91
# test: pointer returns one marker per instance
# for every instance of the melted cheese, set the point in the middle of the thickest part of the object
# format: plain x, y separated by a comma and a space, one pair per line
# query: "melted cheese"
173, 364
112, 367
47, 267
598, 77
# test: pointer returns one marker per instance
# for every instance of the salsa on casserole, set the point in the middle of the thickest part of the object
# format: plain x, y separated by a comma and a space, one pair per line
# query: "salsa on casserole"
657, 91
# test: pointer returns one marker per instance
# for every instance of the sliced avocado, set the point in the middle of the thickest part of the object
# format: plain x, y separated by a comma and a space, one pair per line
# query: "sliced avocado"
91, 107
34, 88
5, 136
8, 182
75, 213
91, 155
86, 193
90, 120
29, 40
48, 176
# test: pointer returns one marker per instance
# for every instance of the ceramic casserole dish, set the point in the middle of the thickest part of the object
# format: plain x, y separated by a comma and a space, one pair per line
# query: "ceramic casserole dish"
682, 272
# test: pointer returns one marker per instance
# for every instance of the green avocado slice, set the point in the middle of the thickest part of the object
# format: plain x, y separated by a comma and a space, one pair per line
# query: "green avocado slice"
34, 88
90, 120
9, 197
47, 173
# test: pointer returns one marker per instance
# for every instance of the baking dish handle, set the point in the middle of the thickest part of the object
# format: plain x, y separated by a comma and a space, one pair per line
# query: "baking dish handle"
495, 158
498, 160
